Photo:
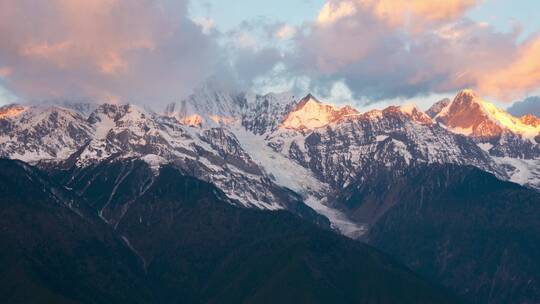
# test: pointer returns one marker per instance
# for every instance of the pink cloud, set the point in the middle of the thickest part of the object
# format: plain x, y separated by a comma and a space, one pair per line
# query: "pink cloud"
132, 49
521, 73
396, 12
392, 48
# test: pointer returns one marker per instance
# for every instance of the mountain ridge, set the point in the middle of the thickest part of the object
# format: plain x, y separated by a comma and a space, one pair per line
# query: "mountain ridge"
242, 139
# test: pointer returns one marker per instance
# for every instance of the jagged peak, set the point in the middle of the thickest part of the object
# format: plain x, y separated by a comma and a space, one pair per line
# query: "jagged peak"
466, 103
309, 99
409, 108
468, 93
470, 114
311, 113
415, 113
466, 98
411, 111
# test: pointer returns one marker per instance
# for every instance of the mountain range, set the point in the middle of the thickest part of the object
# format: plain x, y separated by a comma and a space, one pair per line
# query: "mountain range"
213, 194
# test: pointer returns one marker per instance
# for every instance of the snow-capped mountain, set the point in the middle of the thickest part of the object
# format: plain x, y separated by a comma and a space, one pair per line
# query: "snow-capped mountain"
210, 154
513, 142
208, 107
33, 133
311, 114
497, 131
344, 151
153, 179
318, 149
267, 152
59, 137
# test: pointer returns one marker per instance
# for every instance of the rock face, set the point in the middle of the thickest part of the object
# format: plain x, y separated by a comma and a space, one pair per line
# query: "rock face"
463, 227
181, 242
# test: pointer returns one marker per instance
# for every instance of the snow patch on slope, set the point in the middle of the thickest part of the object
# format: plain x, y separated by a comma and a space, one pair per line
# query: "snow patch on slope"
510, 122
525, 172
289, 174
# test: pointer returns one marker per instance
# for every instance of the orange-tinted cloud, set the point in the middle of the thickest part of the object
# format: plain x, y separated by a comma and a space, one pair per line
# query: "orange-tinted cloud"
335, 10
133, 49
5, 71
383, 49
396, 12
520, 74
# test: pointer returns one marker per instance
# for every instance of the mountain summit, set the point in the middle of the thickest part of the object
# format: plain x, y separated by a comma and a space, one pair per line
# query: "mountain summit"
471, 115
310, 113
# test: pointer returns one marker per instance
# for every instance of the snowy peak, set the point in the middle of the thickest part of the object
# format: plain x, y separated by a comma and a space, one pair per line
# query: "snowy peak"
33, 133
413, 112
469, 114
207, 106
311, 114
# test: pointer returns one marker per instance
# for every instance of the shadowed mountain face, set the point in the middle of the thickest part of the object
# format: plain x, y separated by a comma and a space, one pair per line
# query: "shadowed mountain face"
182, 242
55, 250
475, 234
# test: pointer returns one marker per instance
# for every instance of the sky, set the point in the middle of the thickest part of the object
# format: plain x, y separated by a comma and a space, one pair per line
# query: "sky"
369, 53
502, 14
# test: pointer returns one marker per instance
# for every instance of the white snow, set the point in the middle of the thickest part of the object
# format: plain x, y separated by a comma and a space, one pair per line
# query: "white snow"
154, 161
103, 127
288, 173
380, 138
485, 146
506, 120
496, 115
409, 108
311, 115
463, 131
337, 218
525, 172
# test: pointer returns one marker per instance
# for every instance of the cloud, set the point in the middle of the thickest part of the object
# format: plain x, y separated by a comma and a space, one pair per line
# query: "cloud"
150, 51
133, 50
396, 12
5, 71
335, 10
530, 105
385, 49
521, 73
207, 24
285, 32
